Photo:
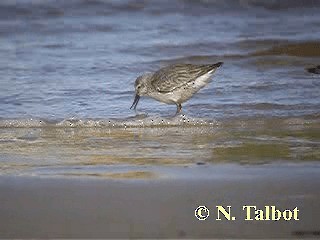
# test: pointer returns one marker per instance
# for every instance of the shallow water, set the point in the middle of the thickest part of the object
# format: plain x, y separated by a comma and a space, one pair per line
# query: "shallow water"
154, 149
67, 71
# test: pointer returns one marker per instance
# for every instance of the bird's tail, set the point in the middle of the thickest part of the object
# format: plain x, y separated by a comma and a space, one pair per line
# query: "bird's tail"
213, 67
216, 65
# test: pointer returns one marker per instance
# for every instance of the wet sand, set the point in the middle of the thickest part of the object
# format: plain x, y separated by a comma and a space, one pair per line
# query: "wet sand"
84, 207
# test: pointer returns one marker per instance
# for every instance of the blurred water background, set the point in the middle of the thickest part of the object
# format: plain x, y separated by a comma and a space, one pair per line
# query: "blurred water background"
67, 70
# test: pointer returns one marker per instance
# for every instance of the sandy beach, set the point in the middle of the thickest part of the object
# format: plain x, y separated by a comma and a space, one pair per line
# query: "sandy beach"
150, 208
77, 162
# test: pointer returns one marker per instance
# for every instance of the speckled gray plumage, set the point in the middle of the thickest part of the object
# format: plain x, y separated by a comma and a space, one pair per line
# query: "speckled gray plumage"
172, 77
174, 84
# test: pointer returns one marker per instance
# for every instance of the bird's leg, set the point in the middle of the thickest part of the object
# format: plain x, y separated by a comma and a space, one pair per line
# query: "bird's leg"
179, 107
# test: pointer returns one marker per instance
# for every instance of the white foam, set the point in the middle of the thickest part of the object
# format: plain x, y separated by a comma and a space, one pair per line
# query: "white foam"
135, 122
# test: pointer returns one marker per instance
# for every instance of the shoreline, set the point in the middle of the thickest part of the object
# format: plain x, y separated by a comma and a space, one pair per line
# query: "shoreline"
33, 207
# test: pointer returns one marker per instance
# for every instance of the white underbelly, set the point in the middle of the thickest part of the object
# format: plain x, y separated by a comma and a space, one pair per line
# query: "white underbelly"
185, 92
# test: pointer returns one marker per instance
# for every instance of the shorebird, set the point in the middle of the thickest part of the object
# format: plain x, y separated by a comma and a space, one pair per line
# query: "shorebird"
174, 84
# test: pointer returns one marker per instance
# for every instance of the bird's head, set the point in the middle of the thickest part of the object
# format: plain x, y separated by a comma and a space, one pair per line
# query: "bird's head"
142, 83
141, 88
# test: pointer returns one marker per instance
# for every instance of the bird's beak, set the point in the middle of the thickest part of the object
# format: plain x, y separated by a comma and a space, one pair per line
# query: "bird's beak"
135, 102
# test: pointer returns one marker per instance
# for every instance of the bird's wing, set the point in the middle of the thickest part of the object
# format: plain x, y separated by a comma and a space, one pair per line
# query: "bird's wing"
172, 77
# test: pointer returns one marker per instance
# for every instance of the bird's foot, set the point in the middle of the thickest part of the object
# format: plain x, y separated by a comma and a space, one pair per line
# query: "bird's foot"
179, 108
